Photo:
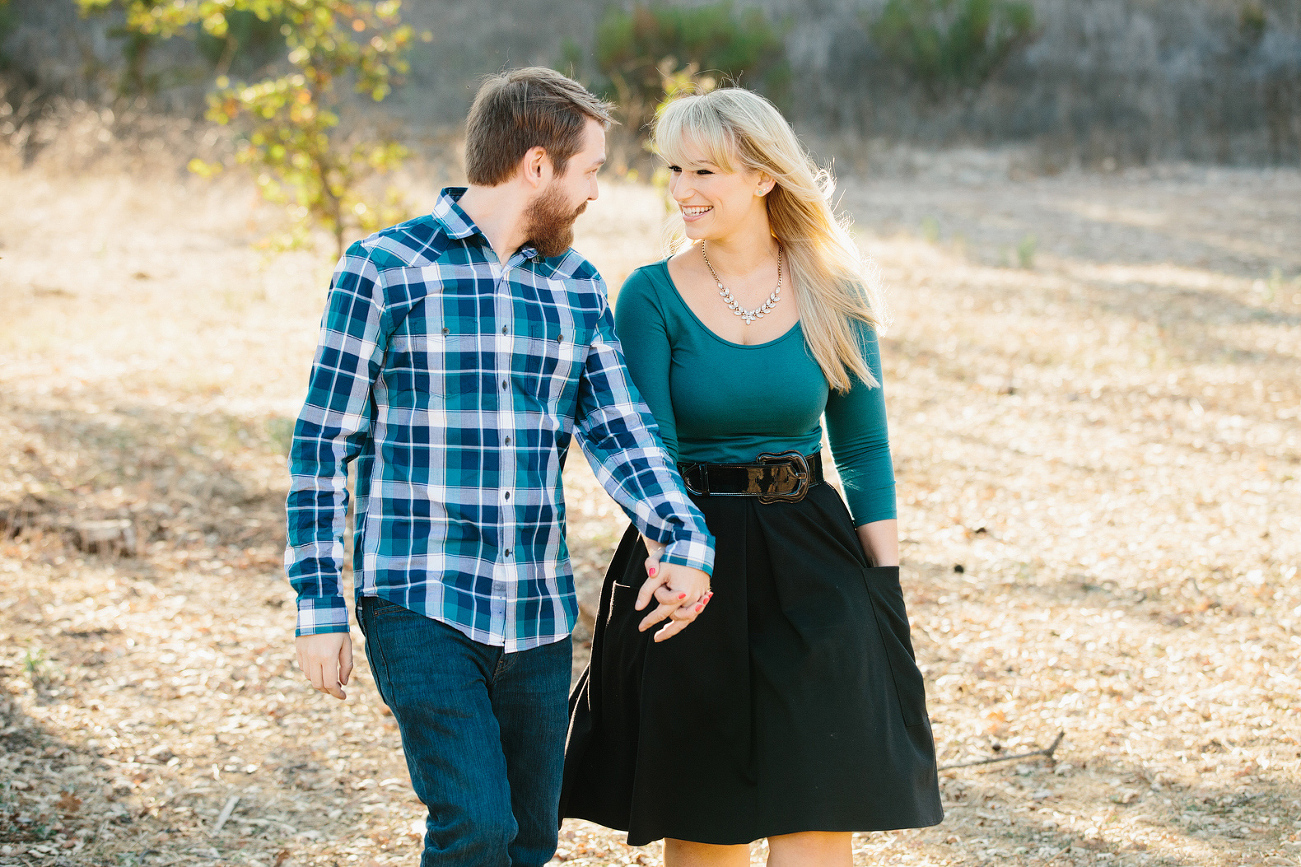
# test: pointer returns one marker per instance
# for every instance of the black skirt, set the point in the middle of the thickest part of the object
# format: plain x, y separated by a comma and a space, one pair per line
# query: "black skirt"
792, 703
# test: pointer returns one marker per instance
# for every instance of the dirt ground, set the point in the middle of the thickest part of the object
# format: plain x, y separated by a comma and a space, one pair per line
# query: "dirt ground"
1093, 384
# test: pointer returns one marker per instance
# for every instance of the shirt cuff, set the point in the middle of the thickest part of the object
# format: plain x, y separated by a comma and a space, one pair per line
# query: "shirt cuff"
694, 550
319, 615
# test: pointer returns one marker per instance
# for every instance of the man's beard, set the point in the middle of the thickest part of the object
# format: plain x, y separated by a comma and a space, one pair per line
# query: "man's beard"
550, 223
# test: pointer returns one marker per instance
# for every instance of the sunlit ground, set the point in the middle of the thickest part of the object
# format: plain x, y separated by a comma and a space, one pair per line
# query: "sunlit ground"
1093, 392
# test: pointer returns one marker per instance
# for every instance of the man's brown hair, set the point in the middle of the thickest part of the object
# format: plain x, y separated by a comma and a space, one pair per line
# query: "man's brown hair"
522, 109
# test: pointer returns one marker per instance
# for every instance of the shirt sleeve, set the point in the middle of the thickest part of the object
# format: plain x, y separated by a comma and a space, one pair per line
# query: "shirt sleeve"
618, 434
860, 443
643, 333
331, 431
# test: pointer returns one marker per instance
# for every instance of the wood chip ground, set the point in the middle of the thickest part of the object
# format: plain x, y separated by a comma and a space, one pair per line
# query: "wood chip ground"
1093, 384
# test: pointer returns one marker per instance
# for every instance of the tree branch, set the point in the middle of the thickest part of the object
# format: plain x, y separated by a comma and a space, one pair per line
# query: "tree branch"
1046, 752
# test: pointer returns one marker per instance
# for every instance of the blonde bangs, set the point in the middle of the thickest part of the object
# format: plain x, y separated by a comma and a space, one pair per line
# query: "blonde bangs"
687, 124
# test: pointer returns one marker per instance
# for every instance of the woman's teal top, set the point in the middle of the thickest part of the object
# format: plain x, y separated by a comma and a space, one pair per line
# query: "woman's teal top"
722, 402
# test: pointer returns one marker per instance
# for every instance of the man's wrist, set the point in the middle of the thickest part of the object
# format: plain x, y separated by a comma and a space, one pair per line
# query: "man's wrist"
331, 630
319, 615
673, 553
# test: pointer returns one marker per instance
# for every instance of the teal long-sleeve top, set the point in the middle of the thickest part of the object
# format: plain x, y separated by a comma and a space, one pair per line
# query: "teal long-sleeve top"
721, 402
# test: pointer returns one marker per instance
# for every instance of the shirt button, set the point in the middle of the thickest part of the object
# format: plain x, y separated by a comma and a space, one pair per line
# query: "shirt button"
508, 495
508, 552
447, 331
505, 329
507, 441
505, 383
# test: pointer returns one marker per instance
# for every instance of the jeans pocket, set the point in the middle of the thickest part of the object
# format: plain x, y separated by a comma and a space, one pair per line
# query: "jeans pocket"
382, 609
369, 610
892, 623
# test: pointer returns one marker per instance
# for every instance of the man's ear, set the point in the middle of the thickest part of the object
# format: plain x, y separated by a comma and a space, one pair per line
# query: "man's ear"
535, 167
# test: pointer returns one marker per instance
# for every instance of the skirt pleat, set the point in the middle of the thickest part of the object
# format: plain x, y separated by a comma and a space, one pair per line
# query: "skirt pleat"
792, 703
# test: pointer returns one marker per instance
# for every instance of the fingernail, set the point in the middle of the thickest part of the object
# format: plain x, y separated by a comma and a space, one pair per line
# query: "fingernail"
700, 606
652, 572
682, 596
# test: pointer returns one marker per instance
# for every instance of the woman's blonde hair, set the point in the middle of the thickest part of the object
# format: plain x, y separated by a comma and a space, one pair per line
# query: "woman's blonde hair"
736, 130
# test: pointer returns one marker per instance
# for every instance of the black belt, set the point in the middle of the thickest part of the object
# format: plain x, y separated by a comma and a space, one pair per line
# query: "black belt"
783, 478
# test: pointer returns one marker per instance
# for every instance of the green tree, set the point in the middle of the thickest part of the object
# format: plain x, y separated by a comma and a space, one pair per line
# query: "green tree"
290, 120
646, 54
952, 46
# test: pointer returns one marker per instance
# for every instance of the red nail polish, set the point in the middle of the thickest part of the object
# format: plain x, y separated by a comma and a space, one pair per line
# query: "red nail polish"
682, 596
700, 606
652, 572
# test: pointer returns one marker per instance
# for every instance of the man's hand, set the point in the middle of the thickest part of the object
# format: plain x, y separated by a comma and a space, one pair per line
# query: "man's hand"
680, 591
654, 550
326, 659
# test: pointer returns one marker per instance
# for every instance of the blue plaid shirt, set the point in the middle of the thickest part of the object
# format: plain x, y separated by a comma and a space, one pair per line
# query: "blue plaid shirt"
456, 383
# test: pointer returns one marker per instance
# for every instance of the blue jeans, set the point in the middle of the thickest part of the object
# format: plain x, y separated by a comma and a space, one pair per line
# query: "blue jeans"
483, 732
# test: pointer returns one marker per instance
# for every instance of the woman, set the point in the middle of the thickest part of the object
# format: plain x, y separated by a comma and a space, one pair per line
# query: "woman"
792, 708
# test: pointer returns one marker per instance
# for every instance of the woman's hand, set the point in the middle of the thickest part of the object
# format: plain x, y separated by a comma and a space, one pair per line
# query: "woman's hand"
680, 591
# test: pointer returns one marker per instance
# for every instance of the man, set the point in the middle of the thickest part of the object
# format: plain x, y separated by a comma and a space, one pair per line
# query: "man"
459, 354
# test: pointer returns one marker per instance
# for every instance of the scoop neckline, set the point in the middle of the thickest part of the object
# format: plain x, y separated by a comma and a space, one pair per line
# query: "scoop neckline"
663, 265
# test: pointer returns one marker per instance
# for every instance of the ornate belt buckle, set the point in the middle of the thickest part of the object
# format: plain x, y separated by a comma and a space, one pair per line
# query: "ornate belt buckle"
686, 471
798, 468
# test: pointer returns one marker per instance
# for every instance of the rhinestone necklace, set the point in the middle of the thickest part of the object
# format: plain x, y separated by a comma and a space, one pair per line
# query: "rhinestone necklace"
747, 316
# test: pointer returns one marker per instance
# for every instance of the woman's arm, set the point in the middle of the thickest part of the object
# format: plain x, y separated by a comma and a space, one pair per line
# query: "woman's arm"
856, 429
643, 332
644, 335
880, 540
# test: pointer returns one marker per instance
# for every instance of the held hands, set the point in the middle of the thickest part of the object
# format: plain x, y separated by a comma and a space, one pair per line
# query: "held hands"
680, 591
326, 659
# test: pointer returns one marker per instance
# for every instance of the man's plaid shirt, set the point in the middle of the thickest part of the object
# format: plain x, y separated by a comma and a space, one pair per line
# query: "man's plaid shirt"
456, 384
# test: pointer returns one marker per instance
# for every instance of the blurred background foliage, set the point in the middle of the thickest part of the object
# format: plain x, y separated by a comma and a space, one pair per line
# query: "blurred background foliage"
248, 42
8, 24
1095, 83
952, 45
646, 54
298, 52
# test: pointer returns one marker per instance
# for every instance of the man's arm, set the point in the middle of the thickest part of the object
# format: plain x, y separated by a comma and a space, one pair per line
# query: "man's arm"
618, 434
331, 431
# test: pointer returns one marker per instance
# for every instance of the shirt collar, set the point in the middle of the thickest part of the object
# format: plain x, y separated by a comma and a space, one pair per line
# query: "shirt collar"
460, 226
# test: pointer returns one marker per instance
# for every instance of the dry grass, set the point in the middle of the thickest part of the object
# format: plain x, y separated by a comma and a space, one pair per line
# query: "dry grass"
1097, 458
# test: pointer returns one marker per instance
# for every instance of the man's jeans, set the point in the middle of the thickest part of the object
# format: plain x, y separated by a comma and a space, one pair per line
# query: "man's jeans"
483, 732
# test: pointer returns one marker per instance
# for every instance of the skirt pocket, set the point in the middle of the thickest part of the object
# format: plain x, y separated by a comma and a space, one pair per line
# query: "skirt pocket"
892, 623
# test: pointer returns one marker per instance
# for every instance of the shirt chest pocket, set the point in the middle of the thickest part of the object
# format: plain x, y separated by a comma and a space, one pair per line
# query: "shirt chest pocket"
421, 356
549, 358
